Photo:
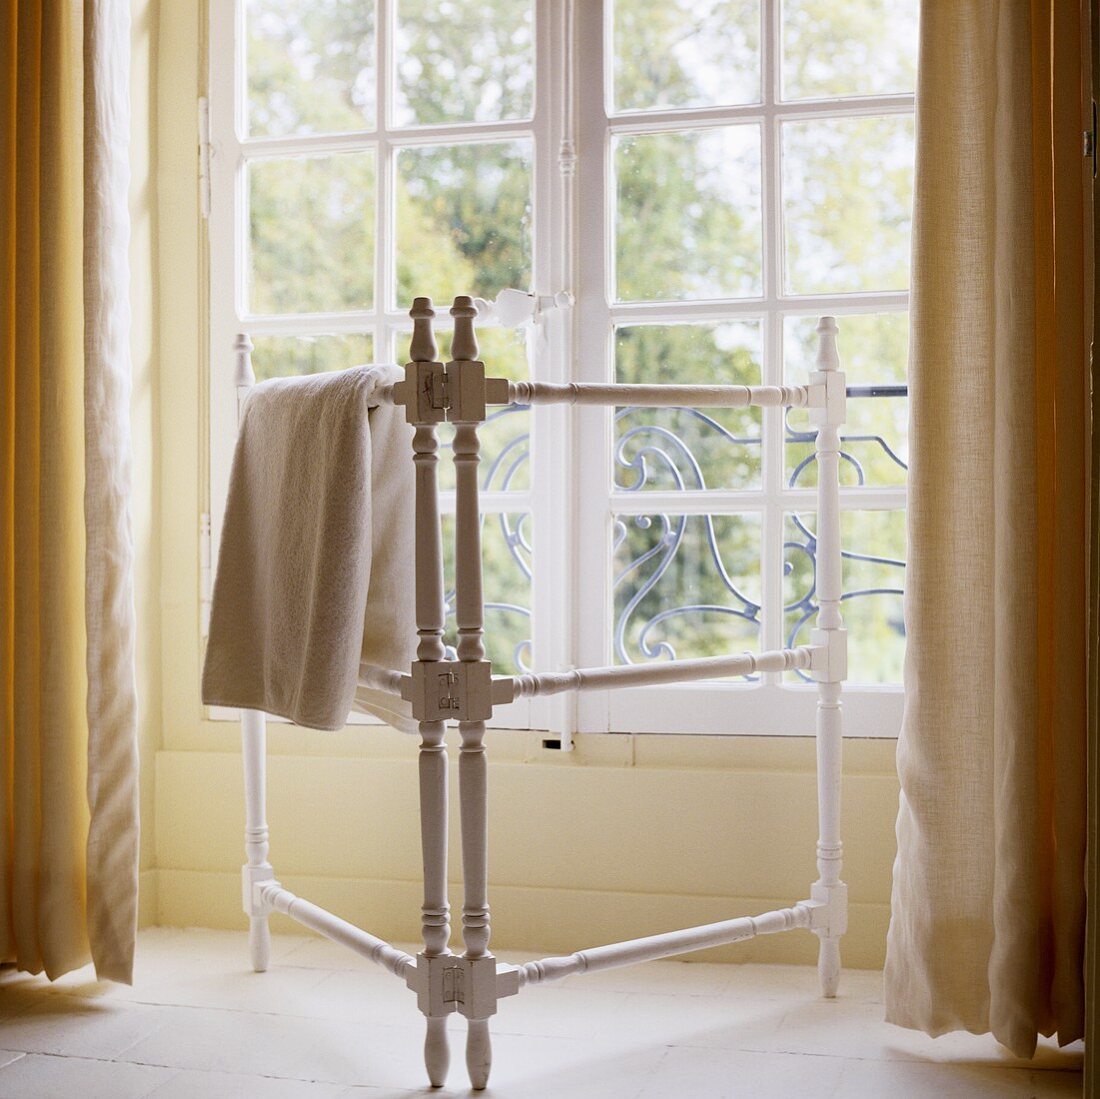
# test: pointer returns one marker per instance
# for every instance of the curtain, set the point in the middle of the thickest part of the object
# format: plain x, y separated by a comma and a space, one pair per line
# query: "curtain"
68, 745
988, 900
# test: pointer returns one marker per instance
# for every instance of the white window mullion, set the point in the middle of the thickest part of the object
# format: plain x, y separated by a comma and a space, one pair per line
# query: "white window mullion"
549, 352
383, 182
591, 564
226, 237
771, 565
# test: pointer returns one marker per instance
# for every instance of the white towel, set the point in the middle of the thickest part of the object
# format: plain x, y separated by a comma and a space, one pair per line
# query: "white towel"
315, 566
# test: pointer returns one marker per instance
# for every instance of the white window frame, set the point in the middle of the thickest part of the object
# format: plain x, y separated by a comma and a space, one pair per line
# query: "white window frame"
571, 508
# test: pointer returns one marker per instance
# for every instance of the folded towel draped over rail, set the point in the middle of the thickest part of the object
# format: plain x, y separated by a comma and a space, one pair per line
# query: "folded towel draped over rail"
314, 567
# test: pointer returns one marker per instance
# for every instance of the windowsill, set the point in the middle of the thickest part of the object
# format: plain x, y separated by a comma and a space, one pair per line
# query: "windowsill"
763, 710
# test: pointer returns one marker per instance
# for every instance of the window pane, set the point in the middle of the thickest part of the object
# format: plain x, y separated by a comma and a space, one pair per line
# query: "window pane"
506, 434
685, 586
847, 203
680, 448
687, 221
850, 47
685, 53
506, 541
464, 61
310, 66
873, 545
285, 356
463, 220
874, 350
312, 234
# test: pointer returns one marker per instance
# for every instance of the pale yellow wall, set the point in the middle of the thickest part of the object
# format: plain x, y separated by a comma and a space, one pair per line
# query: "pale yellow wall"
144, 411
625, 836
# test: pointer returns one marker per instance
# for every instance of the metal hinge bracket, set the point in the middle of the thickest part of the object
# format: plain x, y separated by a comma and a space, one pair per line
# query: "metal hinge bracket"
206, 574
456, 391
1088, 141
453, 690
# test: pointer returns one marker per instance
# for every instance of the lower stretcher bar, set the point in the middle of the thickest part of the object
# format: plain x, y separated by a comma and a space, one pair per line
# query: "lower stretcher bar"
272, 896
668, 944
665, 945
275, 898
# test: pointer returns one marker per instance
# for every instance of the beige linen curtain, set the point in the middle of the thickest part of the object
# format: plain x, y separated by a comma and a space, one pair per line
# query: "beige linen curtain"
68, 765
988, 901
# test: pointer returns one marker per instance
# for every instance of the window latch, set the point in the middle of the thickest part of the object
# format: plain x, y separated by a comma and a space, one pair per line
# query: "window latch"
1088, 141
515, 308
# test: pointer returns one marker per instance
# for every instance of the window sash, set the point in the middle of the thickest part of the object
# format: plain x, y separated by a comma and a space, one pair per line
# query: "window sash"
571, 497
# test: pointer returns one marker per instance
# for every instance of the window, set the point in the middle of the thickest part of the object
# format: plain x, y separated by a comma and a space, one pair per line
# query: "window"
704, 178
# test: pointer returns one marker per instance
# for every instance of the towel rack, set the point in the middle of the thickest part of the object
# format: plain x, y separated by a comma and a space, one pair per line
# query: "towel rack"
463, 690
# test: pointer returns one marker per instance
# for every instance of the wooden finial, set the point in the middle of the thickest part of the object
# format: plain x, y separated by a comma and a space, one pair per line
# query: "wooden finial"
242, 349
422, 346
464, 341
828, 357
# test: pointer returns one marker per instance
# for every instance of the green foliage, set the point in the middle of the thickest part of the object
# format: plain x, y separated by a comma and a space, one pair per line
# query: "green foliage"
686, 53
687, 221
859, 47
312, 231
464, 61
847, 199
463, 219
310, 66
286, 356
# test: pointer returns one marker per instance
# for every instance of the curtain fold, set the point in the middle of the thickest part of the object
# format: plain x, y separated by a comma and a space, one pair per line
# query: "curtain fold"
988, 900
68, 811
109, 586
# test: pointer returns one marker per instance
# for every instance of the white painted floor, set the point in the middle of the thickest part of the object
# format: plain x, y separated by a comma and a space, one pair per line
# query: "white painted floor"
322, 1023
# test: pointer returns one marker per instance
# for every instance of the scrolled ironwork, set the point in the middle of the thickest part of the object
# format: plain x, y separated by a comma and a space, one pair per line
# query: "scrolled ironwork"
644, 453
663, 448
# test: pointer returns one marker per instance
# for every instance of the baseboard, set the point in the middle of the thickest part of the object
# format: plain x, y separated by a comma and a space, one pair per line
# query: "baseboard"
524, 918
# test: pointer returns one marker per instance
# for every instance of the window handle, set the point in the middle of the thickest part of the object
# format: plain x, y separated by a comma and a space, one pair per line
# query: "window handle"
515, 308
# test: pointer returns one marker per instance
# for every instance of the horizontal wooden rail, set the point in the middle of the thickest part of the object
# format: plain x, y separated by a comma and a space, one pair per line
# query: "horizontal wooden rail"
671, 671
660, 396
318, 919
687, 395
664, 946
381, 679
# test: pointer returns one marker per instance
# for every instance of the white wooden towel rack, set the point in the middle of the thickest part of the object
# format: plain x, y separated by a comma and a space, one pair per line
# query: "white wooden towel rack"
464, 690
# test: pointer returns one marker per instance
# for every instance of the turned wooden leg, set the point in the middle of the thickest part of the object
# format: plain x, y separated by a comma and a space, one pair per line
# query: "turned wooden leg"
435, 912
430, 620
479, 1053
253, 749
472, 777
828, 965
473, 793
830, 638
437, 1052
